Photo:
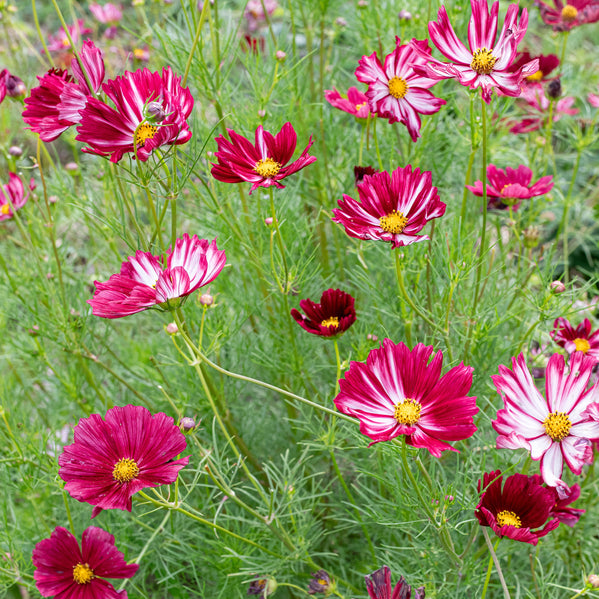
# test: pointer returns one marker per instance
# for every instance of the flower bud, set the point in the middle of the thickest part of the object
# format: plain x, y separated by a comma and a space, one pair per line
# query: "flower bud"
154, 112
280, 55
268, 221
554, 89
172, 328
187, 424
206, 299
71, 167
15, 151
15, 88
262, 586
557, 287
340, 22
405, 15
531, 237
262, 113
594, 581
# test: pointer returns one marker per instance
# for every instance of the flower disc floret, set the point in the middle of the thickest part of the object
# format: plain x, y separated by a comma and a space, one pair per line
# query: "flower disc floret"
82, 574
483, 61
557, 425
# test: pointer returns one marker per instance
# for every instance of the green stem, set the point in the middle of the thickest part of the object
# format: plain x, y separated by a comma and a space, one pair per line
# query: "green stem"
376, 145
275, 224
68, 511
194, 44
506, 593
40, 34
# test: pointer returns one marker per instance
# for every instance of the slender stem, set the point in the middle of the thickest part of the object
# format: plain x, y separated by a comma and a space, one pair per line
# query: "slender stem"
40, 34
68, 510
338, 359
506, 593
376, 145
487, 577
194, 44
275, 224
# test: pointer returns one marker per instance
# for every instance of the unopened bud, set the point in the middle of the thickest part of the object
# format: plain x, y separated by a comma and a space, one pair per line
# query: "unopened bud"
594, 581
531, 237
53, 199
262, 113
280, 55
340, 22
154, 112
15, 88
554, 89
362, 3
172, 328
268, 221
71, 167
15, 151
372, 337
187, 423
405, 15
206, 299
557, 287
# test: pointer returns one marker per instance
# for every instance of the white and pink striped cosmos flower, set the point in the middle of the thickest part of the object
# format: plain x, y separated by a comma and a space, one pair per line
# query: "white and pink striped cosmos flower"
556, 428
145, 281
486, 64
398, 392
395, 91
150, 110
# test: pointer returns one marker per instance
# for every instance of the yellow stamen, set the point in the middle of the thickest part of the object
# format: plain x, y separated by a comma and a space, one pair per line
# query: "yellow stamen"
398, 87
557, 425
508, 518
407, 411
393, 223
535, 76
5, 209
139, 53
569, 13
582, 345
360, 106
483, 61
144, 131
82, 573
267, 167
330, 322
125, 470
322, 582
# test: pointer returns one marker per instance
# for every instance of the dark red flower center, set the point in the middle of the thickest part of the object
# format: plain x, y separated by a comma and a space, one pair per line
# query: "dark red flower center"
483, 61
407, 411
398, 87
393, 223
144, 131
508, 518
569, 13
82, 573
125, 470
557, 425
333, 321
582, 345
267, 168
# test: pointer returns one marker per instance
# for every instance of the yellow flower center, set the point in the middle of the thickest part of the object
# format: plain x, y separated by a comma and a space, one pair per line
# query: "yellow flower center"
398, 87
5, 209
67, 44
330, 322
582, 345
82, 573
139, 53
557, 425
407, 411
267, 167
569, 13
144, 131
508, 518
483, 61
393, 223
360, 106
322, 582
535, 76
125, 470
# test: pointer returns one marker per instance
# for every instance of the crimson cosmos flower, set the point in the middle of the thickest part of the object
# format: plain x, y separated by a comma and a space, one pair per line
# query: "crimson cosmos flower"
486, 64
355, 103
378, 585
55, 104
145, 282
109, 14
59, 41
554, 429
392, 207
113, 459
65, 571
332, 316
579, 339
507, 188
395, 91
150, 110
563, 17
547, 64
13, 196
561, 510
517, 508
263, 163
397, 392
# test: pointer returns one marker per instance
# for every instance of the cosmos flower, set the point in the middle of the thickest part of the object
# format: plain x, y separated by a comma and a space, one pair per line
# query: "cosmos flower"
563, 17
486, 64
262, 586
59, 41
262, 164
561, 508
552, 429
13, 196
395, 91
507, 188
516, 509
332, 316
398, 392
55, 104
254, 13
112, 459
66, 571
145, 281
378, 585
320, 583
547, 64
355, 103
391, 207
150, 110
109, 14
579, 339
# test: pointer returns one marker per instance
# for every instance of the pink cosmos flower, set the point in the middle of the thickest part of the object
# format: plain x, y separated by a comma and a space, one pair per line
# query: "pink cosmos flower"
332, 316
55, 104
579, 339
378, 585
554, 429
355, 103
509, 187
13, 196
395, 90
486, 64
109, 14
254, 13
547, 64
397, 392
59, 41
536, 110
563, 17
146, 282
392, 207
263, 163
113, 459
150, 110
519, 509
594, 100
66, 571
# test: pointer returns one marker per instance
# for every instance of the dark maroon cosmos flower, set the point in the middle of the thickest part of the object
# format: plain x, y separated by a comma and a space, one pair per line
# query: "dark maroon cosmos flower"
378, 585
561, 508
332, 316
113, 459
547, 64
320, 583
65, 571
519, 509
262, 164
579, 339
